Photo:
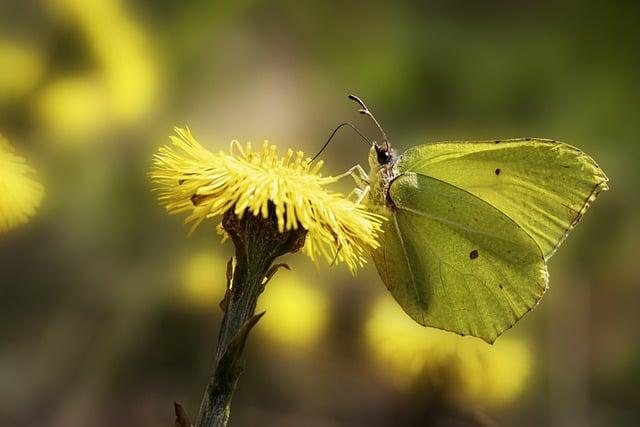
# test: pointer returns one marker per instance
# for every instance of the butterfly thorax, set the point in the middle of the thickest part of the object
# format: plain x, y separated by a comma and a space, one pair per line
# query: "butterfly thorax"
382, 171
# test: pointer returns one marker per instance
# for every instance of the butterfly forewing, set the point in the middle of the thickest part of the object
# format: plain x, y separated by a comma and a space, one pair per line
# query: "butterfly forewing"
455, 262
544, 186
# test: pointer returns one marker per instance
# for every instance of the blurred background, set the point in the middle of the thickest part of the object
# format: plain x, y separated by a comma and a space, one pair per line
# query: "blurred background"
109, 313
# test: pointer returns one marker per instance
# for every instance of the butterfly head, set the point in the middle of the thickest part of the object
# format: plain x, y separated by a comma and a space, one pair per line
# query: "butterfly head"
381, 154
384, 153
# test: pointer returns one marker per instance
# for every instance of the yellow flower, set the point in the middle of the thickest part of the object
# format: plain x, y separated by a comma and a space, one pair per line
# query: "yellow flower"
297, 311
20, 195
22, 68
121, 86
200, 272
465, 367
192, 179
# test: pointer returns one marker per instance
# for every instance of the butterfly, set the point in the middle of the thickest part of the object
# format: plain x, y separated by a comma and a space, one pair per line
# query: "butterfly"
470, 226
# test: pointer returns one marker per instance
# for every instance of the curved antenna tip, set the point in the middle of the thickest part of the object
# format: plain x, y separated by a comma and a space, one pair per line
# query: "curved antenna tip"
359, 101
365, 111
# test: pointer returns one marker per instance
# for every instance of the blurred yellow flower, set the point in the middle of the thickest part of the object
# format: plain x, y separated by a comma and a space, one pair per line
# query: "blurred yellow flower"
191, 178
466, 367
297, 311
203, 279
20, 195
20, 71
121, 88
73, 106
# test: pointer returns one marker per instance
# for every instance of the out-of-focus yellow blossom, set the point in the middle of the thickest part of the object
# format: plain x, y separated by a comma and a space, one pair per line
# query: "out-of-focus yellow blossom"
297, 311
192, 179
465, 367
120, 46
20, 71
203, 279
123, 86
20, 194
73, 106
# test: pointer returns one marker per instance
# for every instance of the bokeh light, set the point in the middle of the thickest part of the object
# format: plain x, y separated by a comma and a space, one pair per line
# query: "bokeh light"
22, 69
297, 310
203, 279
119, 87
468, 368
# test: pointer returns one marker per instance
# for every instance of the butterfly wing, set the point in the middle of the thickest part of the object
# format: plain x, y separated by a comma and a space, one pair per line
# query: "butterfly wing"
544, 186
454, 262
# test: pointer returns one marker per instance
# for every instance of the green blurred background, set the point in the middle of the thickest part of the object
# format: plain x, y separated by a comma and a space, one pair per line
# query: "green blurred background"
109, 313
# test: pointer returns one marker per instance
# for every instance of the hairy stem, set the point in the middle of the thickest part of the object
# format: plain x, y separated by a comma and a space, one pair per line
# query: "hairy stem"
258, 243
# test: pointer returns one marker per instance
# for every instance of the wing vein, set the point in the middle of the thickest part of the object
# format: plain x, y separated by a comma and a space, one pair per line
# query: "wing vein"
406, 258
457, 225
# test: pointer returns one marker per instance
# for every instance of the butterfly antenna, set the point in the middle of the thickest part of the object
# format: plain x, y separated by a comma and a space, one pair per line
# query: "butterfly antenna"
364, 110
340, 126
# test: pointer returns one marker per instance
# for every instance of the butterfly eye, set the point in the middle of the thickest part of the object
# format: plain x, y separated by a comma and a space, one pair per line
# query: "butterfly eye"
383, 156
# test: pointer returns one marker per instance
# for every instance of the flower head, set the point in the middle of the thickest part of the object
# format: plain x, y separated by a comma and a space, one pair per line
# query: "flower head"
192, 179
20, 195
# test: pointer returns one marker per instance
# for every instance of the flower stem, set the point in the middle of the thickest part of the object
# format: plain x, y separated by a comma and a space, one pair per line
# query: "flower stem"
258, 243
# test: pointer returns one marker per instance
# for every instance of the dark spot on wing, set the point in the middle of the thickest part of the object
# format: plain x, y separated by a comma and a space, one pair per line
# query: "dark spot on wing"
497, 141
498, 171
501, 287
527, 139
473, 254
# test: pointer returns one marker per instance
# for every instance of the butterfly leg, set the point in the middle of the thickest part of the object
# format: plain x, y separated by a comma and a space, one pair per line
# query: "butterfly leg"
362, 193
358, 174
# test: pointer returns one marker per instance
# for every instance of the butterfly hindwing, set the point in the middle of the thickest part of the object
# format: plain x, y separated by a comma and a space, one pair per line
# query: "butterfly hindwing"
544, 186
455, 262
